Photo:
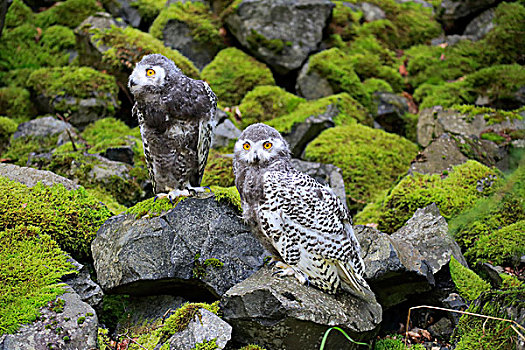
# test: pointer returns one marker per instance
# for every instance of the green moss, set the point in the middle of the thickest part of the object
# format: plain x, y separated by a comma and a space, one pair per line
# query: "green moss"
505, 245
199, 268
20, 148
18, 14
474, 332
499, 83
344, 21
468, 284
69, 13
152, 207
453, 194
232, 74
81, 320
349, 110
510, 281
184, 315
110, 132
7, 128
32, 265
228, 195
204, 26
71, 218
58, 38
148, 9
491, 115
129, 45
376, 85
505, 42
218, 171
337, 67
395, 344
104, 196
370, 159
496, 138
113, 310
266, 103
252, 347
16, 103
256, 40
206, 345
81, 82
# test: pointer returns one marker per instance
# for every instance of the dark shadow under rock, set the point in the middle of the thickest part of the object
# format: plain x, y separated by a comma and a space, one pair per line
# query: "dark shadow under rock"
280, 313
199, 249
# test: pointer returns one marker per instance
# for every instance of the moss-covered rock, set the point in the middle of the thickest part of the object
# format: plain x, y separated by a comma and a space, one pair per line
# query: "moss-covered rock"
373, 85
20, 148
148, 10
233, 73
71, 218
69, 13
16, 103
62, 90
32, 265
475, 332
266, 103
344, 21
203, 25
370, 159
468, 284
498, 84
118, 49
453, 194
492, 230
348, 111
395, 344
219, 170
337, 68
18, 14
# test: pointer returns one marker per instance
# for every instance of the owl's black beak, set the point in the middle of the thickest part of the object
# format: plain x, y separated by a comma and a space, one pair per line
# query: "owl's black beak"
131, 83
256, 158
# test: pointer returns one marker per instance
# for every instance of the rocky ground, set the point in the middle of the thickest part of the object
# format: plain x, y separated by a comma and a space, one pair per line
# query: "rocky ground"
412, 111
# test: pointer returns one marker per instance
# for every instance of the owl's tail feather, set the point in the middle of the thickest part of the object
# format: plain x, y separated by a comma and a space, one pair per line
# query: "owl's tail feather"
352, 282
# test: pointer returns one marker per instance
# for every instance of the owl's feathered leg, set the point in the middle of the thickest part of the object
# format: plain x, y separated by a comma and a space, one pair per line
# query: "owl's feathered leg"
198, 191
287, 270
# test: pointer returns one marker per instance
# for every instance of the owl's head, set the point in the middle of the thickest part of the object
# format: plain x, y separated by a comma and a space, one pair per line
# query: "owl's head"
260, 144
151, 74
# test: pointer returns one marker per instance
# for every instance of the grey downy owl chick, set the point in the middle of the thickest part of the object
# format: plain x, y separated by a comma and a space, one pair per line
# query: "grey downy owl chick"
176, 115
303, 223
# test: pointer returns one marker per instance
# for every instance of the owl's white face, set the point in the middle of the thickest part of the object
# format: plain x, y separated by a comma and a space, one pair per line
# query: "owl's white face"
146, 75
261, 151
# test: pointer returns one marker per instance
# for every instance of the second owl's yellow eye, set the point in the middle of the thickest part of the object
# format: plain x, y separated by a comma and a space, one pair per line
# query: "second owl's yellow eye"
150, 72
267, 145
246, 146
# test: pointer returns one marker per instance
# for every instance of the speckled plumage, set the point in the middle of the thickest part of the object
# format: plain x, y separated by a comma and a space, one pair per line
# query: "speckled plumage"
296, 218
176, 115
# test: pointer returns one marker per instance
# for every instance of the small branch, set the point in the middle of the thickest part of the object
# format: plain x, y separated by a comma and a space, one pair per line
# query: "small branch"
513, 323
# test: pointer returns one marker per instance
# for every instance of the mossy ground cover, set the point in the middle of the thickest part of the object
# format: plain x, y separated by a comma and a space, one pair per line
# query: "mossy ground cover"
15, 103
129, 45
204, 26
349, 111
232, 74
370, 159
69, 13
32, 264
148, 9
265, 103
71, 218
453, 194
219, 170
468, 284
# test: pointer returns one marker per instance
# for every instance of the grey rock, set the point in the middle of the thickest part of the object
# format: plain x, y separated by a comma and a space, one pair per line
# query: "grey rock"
406, 263
442, 329
372, 12
51, 328
123, 154
168, 254
493, 273
123, 9
451, 40
280, 313
225, 133
435, 121
177, 35
204, 327
311, 85
294, 26
421, 2
442, 154
30, 176
148, 310
455, 302
42, 127
83, 285
302, 133
481, 25
455, 14
390, 111
327, 174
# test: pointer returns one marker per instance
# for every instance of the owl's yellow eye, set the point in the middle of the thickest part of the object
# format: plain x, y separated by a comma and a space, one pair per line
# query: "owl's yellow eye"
150, 72
267, 145
246, 146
